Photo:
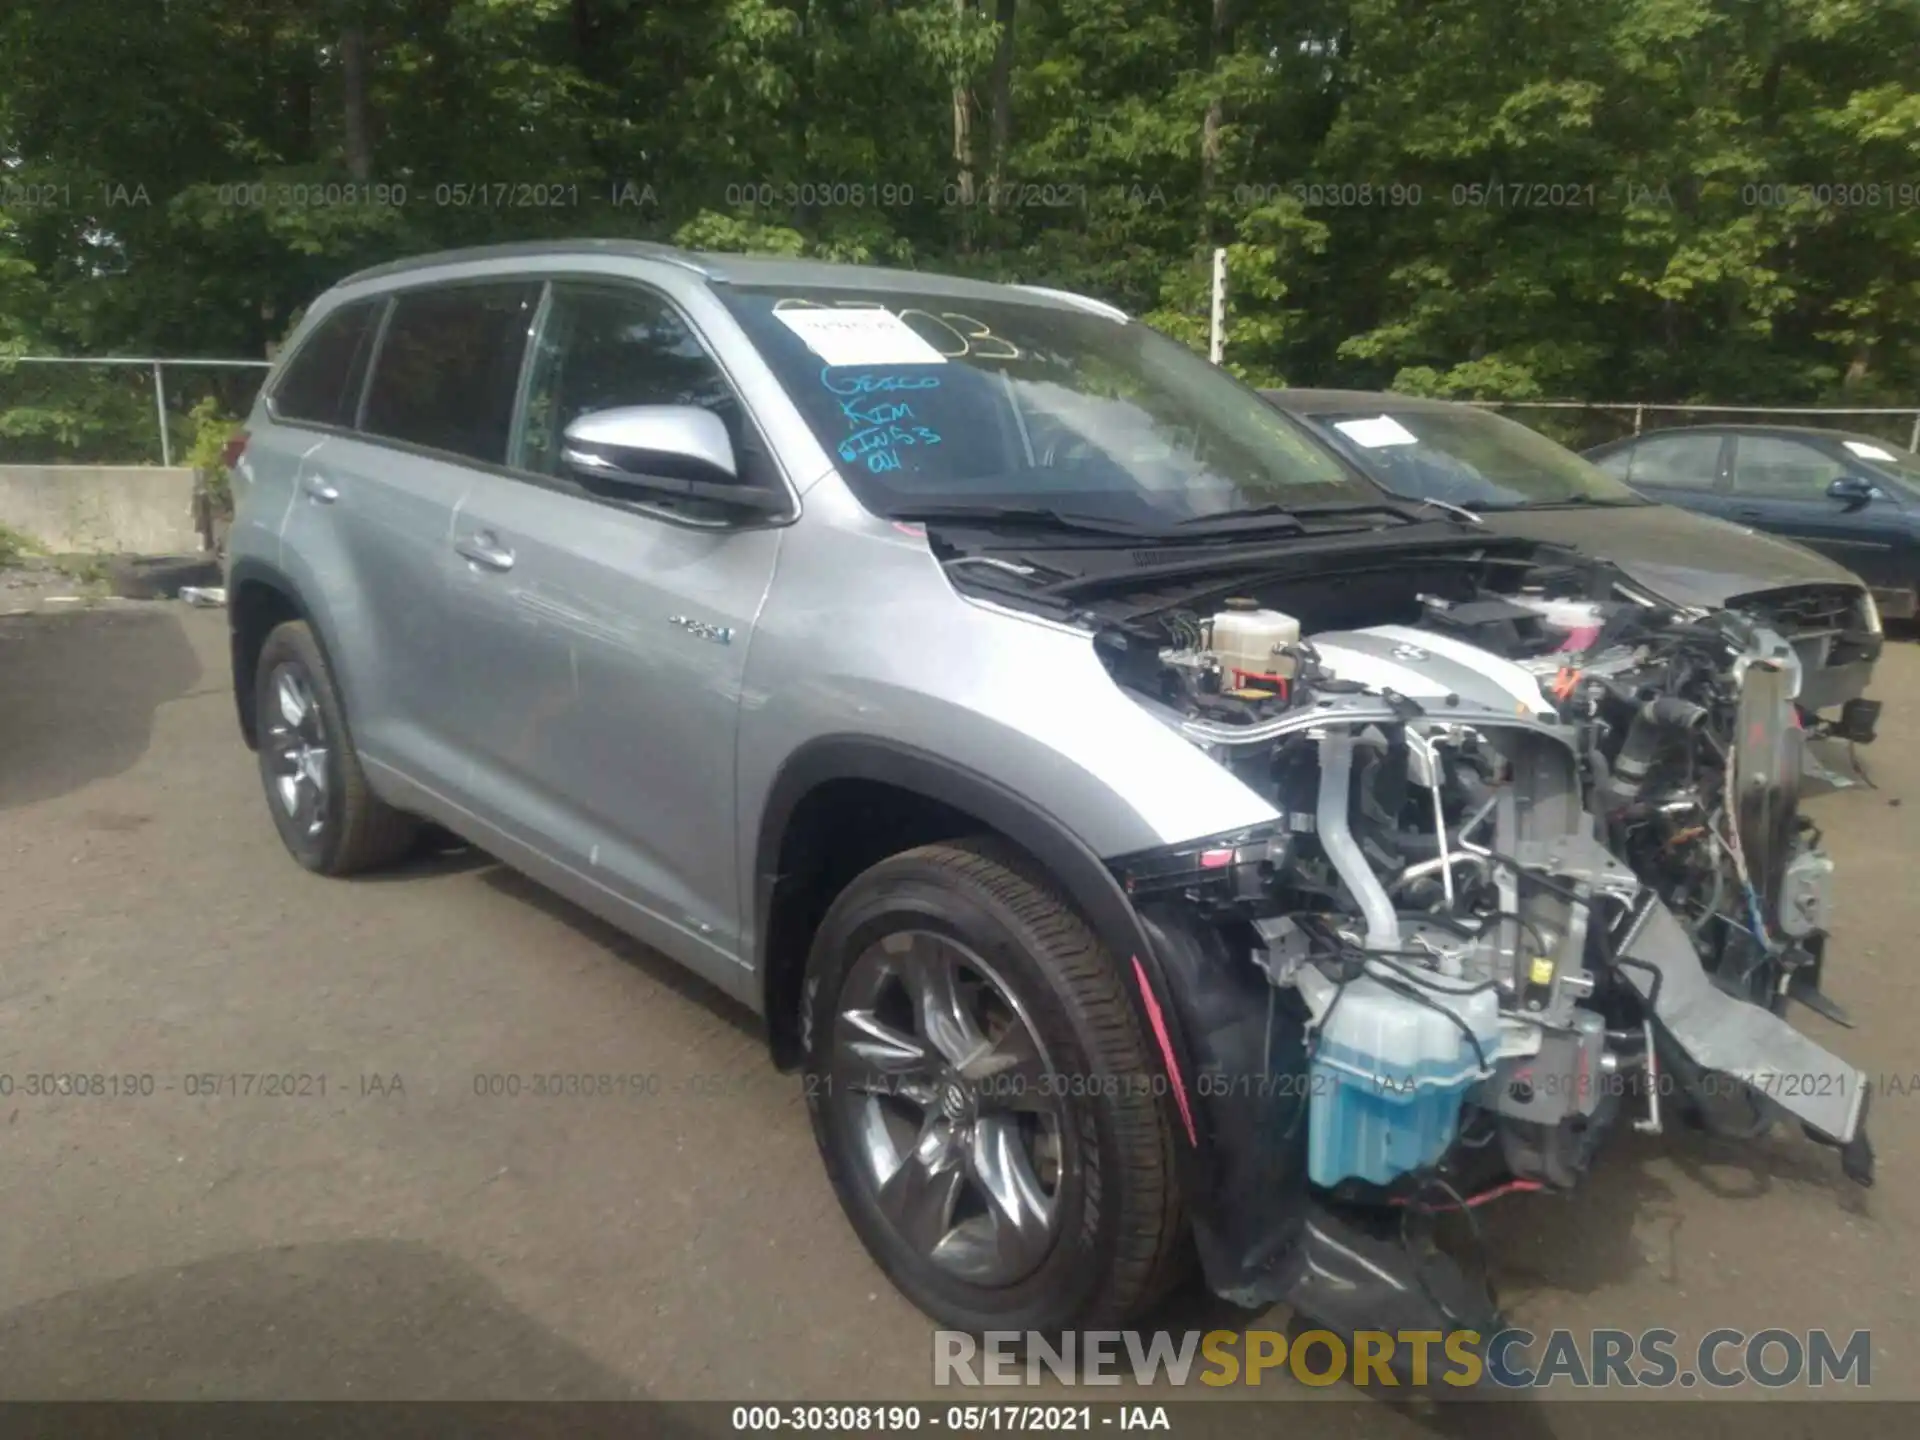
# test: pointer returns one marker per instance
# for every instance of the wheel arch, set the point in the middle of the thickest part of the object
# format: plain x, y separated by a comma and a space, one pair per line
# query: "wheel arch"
935, 798
259, 597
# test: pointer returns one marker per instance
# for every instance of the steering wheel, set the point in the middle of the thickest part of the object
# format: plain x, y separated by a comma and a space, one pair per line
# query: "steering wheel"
1064, 450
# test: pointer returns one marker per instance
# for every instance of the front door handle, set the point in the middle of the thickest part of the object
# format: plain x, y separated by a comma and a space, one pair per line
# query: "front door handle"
1751, 512
319, 490
485, 551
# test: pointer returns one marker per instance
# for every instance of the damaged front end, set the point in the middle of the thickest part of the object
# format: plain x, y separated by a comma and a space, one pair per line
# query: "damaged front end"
1538, 871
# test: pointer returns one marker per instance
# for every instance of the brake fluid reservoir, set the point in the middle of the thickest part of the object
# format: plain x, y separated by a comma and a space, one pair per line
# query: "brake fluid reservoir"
1579, 619
1247, 639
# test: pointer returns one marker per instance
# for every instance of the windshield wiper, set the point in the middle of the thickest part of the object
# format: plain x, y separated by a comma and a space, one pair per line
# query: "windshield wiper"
1262, 517
1471, 517
1026, 516
1399, 508
1252, 517
1568, 502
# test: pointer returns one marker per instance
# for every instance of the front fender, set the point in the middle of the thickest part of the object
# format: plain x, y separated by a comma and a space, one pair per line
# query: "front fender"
1087, 880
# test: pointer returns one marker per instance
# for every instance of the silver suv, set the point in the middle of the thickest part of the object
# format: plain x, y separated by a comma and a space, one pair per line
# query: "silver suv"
1147, 839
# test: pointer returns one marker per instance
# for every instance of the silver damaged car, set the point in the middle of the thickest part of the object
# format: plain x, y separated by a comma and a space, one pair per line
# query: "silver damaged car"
1147, 841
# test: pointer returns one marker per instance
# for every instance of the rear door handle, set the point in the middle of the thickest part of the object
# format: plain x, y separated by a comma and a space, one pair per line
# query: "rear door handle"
485, 551
319, 490
1751, 512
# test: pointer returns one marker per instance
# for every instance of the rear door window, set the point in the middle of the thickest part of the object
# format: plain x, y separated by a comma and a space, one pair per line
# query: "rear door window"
449, 367
1670, 462
1774, 468
321, 384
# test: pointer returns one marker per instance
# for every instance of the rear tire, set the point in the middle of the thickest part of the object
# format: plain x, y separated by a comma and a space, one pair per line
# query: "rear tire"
327, 815
983, 1098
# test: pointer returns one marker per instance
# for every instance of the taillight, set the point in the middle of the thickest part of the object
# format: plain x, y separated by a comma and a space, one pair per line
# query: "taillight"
235, 447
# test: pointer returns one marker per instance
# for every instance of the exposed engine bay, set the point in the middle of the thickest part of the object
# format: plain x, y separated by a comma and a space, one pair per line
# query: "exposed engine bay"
1540, 867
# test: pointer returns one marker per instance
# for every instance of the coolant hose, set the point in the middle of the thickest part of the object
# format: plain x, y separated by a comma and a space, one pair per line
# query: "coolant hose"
1653, 724
1331, 822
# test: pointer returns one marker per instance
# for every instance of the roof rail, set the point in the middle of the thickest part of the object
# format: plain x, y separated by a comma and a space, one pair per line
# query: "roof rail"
529, 249
1083, 302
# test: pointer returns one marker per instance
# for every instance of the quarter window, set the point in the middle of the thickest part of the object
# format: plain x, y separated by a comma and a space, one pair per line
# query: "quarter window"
323, 379
448, 368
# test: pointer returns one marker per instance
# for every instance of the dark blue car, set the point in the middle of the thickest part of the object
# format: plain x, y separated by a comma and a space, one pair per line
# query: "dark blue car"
1853, 497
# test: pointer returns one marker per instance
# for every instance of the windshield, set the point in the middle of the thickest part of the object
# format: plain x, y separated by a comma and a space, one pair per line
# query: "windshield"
931, 402
1895, 460
1471, 457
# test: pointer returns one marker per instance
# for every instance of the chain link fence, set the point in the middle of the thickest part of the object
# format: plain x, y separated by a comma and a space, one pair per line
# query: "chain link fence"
114, 410
135, 410
1581, 424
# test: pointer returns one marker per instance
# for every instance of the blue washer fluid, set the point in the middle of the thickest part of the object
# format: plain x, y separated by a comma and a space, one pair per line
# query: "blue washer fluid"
1388, 1077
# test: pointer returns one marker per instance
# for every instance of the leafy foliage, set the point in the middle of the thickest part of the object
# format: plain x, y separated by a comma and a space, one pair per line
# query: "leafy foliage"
211, 431
1688, 200
14, 545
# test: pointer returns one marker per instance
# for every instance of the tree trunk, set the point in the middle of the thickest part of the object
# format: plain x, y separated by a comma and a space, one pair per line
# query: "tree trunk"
1001, 120
299, 132
353, 85
963, 138
1219, 46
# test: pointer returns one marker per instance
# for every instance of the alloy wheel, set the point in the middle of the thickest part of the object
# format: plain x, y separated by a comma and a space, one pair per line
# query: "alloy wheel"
297, 750
956, 1114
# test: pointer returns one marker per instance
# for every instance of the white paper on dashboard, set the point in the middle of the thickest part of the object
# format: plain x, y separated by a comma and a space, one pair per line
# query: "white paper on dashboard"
1376, 431
1869, 452
859, 337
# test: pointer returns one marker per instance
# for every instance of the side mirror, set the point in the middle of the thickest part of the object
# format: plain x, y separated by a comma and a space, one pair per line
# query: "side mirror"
1853, 491
664, 451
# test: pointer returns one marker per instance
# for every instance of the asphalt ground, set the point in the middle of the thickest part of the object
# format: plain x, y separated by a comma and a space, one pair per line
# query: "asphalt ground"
393, 1229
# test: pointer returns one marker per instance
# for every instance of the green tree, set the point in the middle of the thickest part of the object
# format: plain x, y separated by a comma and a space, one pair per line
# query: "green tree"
1653, 199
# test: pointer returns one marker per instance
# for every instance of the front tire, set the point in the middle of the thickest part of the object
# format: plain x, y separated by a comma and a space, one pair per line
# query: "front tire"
327, 815
982, 1096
